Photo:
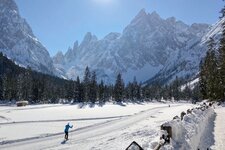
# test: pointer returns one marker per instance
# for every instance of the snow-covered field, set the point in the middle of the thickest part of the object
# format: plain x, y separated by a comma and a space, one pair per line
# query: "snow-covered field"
107, 127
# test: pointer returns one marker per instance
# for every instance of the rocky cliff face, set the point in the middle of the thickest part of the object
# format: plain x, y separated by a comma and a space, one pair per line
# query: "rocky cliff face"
18, 42
150, 48
186, 63
146, 46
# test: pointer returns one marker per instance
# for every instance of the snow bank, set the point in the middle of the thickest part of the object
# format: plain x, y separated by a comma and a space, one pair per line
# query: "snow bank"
186, 134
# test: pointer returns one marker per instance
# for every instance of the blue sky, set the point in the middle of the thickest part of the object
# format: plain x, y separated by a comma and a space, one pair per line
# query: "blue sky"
59, 23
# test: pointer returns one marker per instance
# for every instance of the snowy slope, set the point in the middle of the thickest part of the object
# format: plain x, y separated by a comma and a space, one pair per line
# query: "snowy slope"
18, 42
142, 50
186, 63
191, 85
141, 125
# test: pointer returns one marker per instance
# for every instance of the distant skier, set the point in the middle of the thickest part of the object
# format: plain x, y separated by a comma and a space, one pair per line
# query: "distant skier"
67, 130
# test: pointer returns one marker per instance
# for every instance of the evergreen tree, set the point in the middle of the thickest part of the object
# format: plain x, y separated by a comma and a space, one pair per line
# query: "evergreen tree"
1, 88
212, 71
86, 82
222, 61
69, 89
196, 94
5, 87
138, 94
28, 84
119, 88
129, 91
176, 88
186, 93
80, 90
166, 92
93, 88
108, 92
101, 91
77, 90
135, 89
20, 88
203, 80
1, 77
209, 74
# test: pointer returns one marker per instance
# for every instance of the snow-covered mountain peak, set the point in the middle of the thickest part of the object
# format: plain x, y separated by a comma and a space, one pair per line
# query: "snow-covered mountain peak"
58, 58
18, 42
75, 45
171, 19
140, 18
88, 38
154, 15
142, 13
148, 44
199, 28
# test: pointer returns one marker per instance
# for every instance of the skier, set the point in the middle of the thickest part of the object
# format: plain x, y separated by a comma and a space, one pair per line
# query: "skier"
67, 130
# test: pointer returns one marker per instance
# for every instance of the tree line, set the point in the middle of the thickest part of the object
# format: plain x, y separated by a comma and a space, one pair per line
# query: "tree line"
212, 68
17, 83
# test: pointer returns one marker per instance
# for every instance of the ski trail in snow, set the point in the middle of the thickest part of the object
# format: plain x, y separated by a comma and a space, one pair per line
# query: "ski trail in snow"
51, 135
4, 118
61, 120
81, 135
30, 108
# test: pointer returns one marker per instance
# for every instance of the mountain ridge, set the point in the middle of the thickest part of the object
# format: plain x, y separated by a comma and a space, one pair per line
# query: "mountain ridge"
187, 63
18, 42
150, 48
142, 49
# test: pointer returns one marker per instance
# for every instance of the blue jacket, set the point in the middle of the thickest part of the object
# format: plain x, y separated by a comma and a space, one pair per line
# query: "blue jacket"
67, 128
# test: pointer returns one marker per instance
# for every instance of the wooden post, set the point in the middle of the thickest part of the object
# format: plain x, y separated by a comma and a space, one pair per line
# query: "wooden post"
182, 115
